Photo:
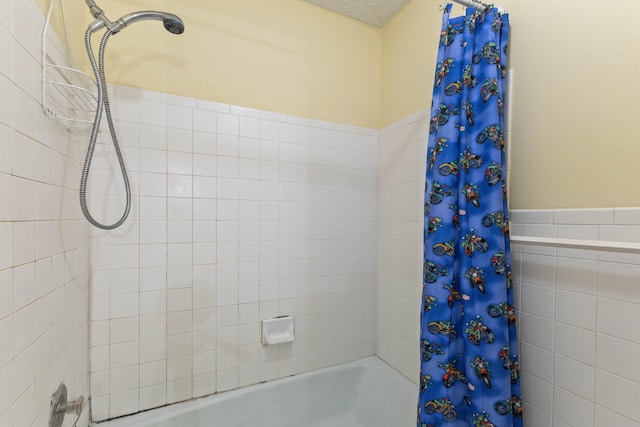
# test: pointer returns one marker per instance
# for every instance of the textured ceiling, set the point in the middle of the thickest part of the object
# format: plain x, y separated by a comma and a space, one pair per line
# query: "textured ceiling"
374, 12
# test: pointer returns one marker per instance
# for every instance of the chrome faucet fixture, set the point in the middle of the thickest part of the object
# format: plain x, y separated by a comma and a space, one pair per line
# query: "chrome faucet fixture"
60, 406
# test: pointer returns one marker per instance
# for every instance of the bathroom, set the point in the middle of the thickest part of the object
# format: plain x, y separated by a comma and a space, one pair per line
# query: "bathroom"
276, 152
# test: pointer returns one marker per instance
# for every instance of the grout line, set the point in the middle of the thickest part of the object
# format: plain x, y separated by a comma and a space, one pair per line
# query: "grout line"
596, 339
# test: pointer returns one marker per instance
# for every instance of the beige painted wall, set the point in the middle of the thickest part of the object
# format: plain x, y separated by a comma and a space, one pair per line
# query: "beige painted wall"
285, 56
573, 140
409, 51
574, 143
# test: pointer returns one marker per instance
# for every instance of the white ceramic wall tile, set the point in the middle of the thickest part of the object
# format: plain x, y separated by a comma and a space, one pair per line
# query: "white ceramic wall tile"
593, 353
537, 330
630, 233
617, 394
531, 216
228, 124
572, 409
44, 276
608, 319
604, 418
618, 257
615, 356
153, 113
539, 269
204, 120
123, 329
536, 417
180, 117
583, 216
575, 377
6, 46
244, 111
152, 396
153, 137
577, 275
626, 216
537, 361
538, 300
575, 309
121, 403
619, 281
221, 226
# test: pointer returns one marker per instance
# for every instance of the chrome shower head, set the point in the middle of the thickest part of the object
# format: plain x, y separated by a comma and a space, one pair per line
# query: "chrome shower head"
172, 23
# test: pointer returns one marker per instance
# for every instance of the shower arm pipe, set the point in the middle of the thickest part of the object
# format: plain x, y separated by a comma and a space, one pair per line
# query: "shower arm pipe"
594, 245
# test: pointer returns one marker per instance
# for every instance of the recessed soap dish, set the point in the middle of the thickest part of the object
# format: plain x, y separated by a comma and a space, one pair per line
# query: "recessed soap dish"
278, 330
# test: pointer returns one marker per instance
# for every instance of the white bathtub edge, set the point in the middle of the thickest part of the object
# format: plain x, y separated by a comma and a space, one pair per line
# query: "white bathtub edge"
197, 403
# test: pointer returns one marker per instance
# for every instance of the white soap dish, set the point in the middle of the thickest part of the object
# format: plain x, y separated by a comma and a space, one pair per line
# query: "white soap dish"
277, 330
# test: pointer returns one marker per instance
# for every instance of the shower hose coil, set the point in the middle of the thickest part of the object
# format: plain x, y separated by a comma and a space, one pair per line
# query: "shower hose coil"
102, 106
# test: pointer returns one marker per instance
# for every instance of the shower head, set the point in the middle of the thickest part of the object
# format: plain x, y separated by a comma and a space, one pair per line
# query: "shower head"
172, 23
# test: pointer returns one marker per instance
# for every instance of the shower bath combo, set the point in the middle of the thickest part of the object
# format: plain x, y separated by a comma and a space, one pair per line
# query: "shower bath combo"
174, 25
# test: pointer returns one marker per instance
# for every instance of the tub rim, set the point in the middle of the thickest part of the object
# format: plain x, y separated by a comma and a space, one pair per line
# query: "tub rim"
139, 419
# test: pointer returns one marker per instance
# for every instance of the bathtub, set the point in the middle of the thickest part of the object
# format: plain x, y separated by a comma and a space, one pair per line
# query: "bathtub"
362, 393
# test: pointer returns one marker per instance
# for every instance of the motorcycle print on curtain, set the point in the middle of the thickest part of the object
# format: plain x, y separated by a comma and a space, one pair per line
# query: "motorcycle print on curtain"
469, 366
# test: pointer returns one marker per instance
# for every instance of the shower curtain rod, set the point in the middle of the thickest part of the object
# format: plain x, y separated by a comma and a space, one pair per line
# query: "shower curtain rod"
596, 245
472, 3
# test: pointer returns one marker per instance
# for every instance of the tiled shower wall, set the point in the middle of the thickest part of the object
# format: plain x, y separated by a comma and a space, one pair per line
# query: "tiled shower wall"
238, 215
400, 222
44, 282
579, 313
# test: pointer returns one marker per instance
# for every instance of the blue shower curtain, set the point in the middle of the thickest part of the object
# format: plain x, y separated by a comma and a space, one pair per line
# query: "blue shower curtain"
469, 364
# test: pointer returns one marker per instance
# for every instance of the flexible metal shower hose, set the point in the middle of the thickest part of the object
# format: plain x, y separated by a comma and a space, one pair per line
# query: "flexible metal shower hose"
102, 105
